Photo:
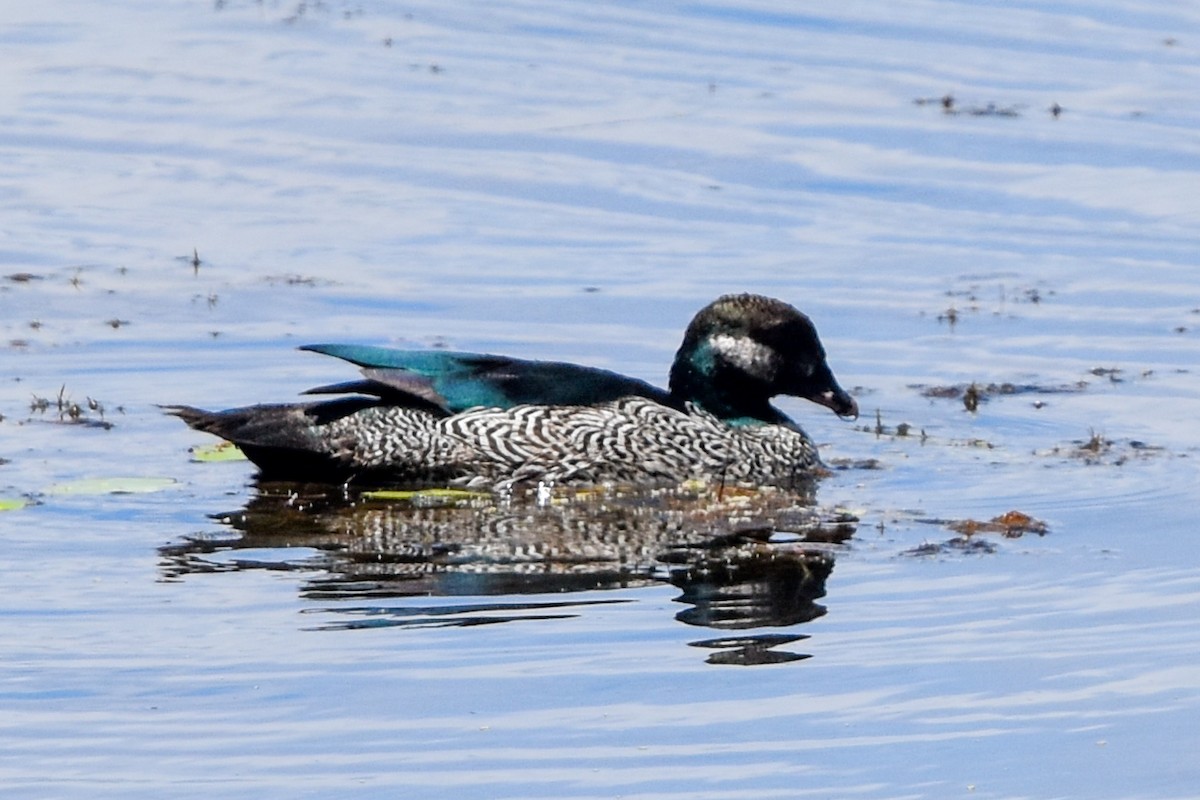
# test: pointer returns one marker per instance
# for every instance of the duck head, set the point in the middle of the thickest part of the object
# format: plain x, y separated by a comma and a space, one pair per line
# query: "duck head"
741, 350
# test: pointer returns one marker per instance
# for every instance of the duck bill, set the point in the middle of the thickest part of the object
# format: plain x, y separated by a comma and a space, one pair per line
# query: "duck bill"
822, 388
836, 399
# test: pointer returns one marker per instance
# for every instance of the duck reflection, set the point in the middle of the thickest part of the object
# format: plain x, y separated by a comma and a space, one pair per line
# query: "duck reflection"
743, 560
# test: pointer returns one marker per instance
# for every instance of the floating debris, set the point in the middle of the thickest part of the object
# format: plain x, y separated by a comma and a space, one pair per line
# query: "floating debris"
112, 485
946, 101
964, 545
902, 430
1112, 373
292, 280
71, 412
1011, 525
985, 391
949, 105
1095, 443
971, 398
855, 463
193, 260
993, 110
211, 299
972, 300
222, 451
1098, 449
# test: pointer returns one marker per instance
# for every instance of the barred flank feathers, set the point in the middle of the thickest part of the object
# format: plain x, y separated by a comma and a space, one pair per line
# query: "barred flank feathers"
631, 439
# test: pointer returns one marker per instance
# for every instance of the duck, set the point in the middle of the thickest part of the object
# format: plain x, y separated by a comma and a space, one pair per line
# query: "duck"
437, 417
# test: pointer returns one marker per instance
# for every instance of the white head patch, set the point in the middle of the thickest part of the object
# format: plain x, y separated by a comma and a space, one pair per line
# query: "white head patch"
750, 356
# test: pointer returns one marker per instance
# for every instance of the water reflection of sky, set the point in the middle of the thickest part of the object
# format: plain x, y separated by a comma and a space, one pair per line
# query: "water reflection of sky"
573, 182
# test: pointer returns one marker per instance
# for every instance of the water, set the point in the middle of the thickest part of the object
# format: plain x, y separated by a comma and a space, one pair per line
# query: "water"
573, 182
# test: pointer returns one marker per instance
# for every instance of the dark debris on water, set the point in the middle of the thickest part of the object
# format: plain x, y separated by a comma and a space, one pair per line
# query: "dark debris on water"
1098, 449
976, 393
970, 540
61, 408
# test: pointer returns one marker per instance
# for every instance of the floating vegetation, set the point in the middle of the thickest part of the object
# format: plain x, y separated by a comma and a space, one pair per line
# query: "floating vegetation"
14, 503
1098, 449
193, 260
112, 485
1112, 373
900, 430
221, 451
90, 413
972, 394
842, 464
295, 280
974, 300
211, 299
949, 105
960, 544
1010, 525
950, 316
971, 398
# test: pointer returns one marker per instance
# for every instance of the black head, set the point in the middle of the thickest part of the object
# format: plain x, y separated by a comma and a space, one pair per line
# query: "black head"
742, 350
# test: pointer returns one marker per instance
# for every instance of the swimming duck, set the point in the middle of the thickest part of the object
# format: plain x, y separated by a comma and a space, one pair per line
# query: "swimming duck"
437, 417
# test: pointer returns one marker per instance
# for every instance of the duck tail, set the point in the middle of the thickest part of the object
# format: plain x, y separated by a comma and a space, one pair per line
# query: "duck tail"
279, 439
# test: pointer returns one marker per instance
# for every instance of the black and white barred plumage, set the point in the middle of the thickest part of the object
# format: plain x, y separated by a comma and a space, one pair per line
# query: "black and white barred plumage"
631, 440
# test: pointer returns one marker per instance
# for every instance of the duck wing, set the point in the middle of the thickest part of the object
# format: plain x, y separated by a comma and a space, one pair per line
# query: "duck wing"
453, 382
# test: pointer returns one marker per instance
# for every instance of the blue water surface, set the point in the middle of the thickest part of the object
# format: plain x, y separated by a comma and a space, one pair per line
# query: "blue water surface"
572, 182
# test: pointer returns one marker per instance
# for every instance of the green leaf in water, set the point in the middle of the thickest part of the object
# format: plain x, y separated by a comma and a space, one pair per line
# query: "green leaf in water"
94, 486
222, 451
12, 503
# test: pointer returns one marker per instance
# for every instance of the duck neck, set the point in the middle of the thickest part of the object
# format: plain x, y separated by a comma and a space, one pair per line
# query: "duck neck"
732, 399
